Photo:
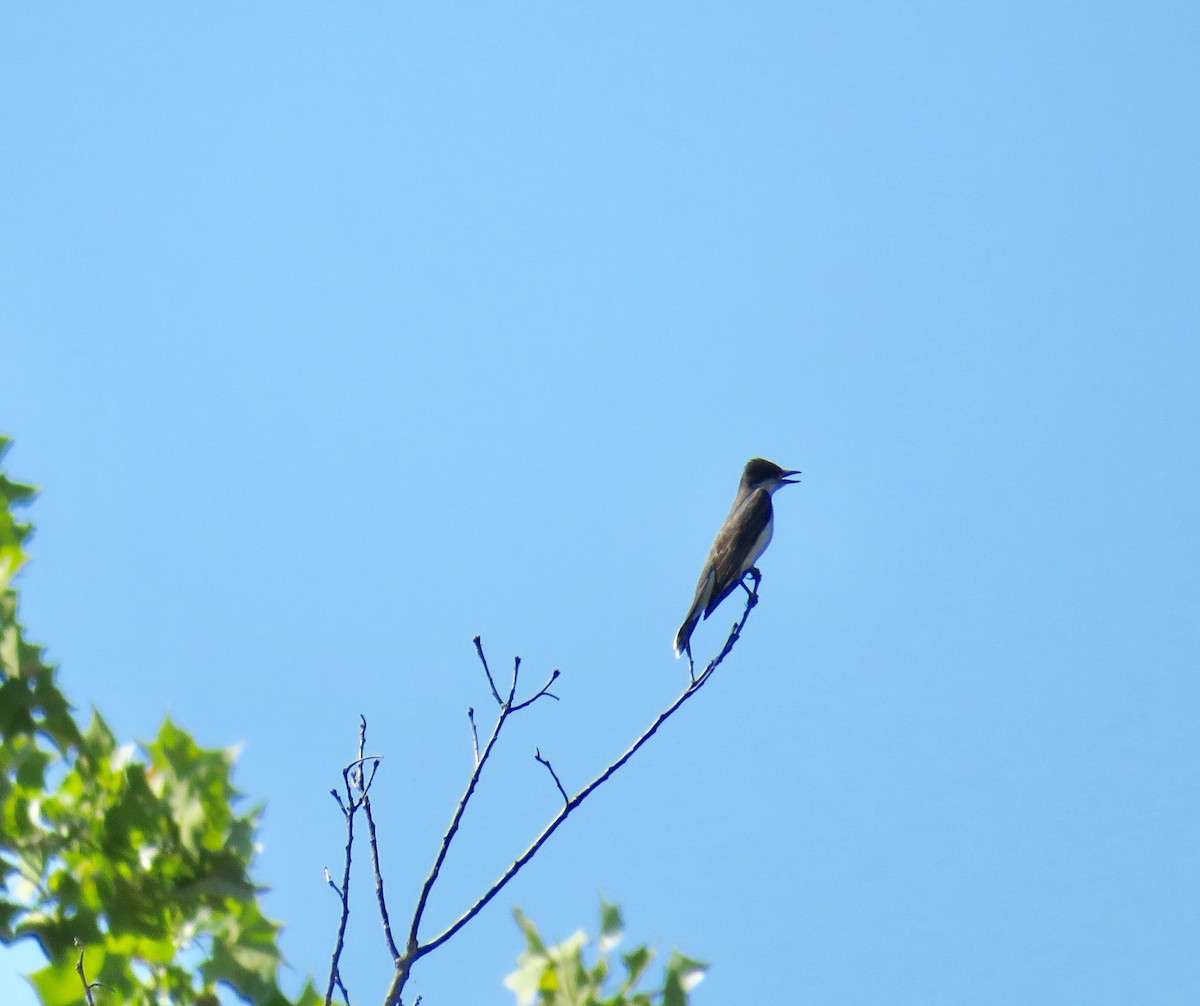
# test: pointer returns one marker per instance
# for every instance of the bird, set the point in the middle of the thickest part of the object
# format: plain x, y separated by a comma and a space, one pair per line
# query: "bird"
742, 539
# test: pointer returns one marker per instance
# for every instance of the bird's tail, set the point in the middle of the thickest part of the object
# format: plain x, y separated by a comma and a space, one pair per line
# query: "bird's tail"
683, 638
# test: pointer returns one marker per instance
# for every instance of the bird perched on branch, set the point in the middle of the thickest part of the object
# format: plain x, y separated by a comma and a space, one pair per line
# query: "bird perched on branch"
742, 539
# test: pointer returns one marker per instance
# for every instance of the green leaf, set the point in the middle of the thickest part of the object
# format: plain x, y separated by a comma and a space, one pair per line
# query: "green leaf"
16, 708
683, 975
13, 534
58, 984
636, 963
309, 996
532, 939
525, 982
612, 926
559, 975
31, 769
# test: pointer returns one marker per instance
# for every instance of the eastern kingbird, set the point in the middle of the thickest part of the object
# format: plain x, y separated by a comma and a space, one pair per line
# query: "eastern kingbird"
742, 539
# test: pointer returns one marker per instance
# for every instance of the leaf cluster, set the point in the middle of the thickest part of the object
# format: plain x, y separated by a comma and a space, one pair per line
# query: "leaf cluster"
560, 976
128, 865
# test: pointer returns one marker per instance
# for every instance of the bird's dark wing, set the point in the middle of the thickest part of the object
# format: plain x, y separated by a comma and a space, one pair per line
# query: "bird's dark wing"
733, 544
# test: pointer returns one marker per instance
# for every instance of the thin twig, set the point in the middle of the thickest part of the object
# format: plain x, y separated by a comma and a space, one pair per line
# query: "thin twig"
337, 977
343, 892
584, 793
553, 775
448, 837
353, 779
487, 670
562, 815
512, 690
545, 690
87, 987
416, 951
474, 733
338, 797
383, 911
507, 708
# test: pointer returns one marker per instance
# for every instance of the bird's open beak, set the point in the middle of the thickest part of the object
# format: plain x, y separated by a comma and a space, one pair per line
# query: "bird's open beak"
785, 481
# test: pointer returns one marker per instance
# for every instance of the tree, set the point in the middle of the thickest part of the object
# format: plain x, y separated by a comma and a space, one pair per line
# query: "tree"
130, 865
560, 976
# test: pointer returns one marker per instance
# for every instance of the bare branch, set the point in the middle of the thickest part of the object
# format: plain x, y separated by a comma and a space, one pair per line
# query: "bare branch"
383, 911
692, 688
415, 950
343, 892
371, 778
448, 837
545, 690
512, 691
553, 775
362, 743
355, 781
345, 994
338, 797
487, 670
474, 733
736, 632
87, 986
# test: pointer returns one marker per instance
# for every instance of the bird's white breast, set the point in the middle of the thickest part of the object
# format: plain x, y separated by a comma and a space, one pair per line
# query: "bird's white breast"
760, 544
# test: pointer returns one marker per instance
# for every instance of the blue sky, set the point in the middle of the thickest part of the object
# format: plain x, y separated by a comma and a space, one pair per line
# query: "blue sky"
336, 334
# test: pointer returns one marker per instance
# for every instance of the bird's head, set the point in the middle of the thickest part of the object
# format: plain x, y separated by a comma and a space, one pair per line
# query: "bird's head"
762, 474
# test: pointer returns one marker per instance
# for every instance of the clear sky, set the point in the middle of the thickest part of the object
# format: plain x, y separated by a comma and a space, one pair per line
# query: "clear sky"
338, 333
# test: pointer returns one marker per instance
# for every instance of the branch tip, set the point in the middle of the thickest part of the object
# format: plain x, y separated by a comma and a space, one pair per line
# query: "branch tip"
415, 949
553, 775
487, 670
